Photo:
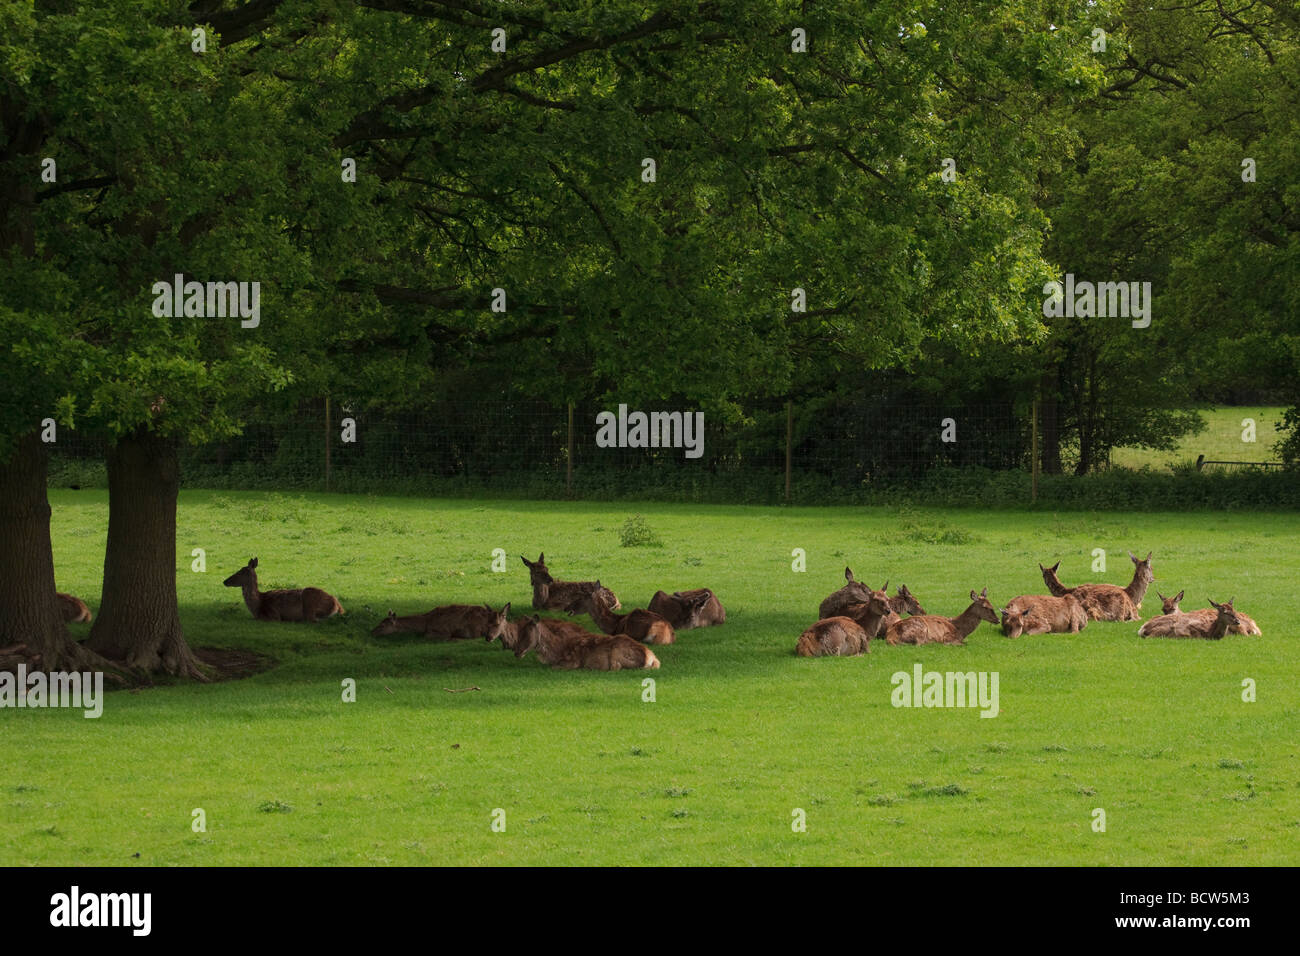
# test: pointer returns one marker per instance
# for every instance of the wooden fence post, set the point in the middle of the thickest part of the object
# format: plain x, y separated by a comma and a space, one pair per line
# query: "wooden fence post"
568, 478
327, 443
789, 445
1033, 456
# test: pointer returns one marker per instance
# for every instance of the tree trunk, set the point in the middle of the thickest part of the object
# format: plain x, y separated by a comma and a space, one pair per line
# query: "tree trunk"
31, 625
139, 620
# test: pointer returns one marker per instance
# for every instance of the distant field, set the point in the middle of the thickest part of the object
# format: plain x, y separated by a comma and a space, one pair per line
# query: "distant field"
741, 735
1221, 441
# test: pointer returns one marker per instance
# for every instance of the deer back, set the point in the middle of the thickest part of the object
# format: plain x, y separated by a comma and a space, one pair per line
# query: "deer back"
833, 637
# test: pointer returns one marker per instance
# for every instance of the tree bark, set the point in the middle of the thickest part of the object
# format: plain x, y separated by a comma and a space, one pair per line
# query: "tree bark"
31, 625
139, 619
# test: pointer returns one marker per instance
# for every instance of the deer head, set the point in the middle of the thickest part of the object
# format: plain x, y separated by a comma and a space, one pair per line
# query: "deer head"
499, 626
245, 575
1169, 605
1227, 613
1013, 620
910, 604
1143, 568
983, 609
387, 626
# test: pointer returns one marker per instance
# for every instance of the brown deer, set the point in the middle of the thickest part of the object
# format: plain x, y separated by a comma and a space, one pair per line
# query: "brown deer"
1225, 620
833, 637
873, 616
73, 609
1041, 614
550, 594
1176, 623
296, 604
565, 646
936, 629
853, 592
902, 603
687, 609
1107, 602
1170, 606
453, 622
640, 625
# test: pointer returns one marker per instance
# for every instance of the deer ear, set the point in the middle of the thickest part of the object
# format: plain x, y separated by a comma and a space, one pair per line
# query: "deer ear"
1147, 559
1212, 604
984, 593
1055, 566
1134, 557
252, 563
541, 557
973, 596
1178, 596
848, 574
506, 609
885, 586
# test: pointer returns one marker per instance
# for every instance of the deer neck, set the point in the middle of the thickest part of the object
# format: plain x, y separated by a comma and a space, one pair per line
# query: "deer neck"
252, 596
897, 604
1137, 588
605, 619
966, 621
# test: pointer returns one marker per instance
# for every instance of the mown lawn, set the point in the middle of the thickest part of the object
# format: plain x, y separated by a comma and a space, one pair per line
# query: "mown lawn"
741, 732
1222, 440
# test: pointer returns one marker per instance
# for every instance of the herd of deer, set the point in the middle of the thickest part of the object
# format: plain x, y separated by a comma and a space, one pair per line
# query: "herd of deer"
853, 615
847, 622
620, 645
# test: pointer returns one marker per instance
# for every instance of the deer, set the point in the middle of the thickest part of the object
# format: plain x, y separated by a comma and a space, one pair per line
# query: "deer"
453, 622
1042, 614
833, 637
1176, 623
873, 615
902, 603
1196, 624
936, 629
566, 646
1107, 602
296, 604
550, 594
687, 609
640, 625
73, 609
853, 592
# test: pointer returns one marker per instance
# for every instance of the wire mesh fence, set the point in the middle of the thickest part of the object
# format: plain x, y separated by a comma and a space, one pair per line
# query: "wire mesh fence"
585, 449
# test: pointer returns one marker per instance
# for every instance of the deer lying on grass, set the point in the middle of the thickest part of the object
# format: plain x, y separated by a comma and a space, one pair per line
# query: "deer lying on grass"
550, 594
640, 625
1170, 606
873, 616
902, 603
833, 637
1196, 624
687, 609
847, 634
566, 646
853, 592
73, 609
1041, 614
296, 604
1176, 623
1107, 602
936, 629
454, 622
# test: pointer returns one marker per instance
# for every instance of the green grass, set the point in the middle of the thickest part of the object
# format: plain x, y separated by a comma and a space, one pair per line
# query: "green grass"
1221, 440
741, 732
